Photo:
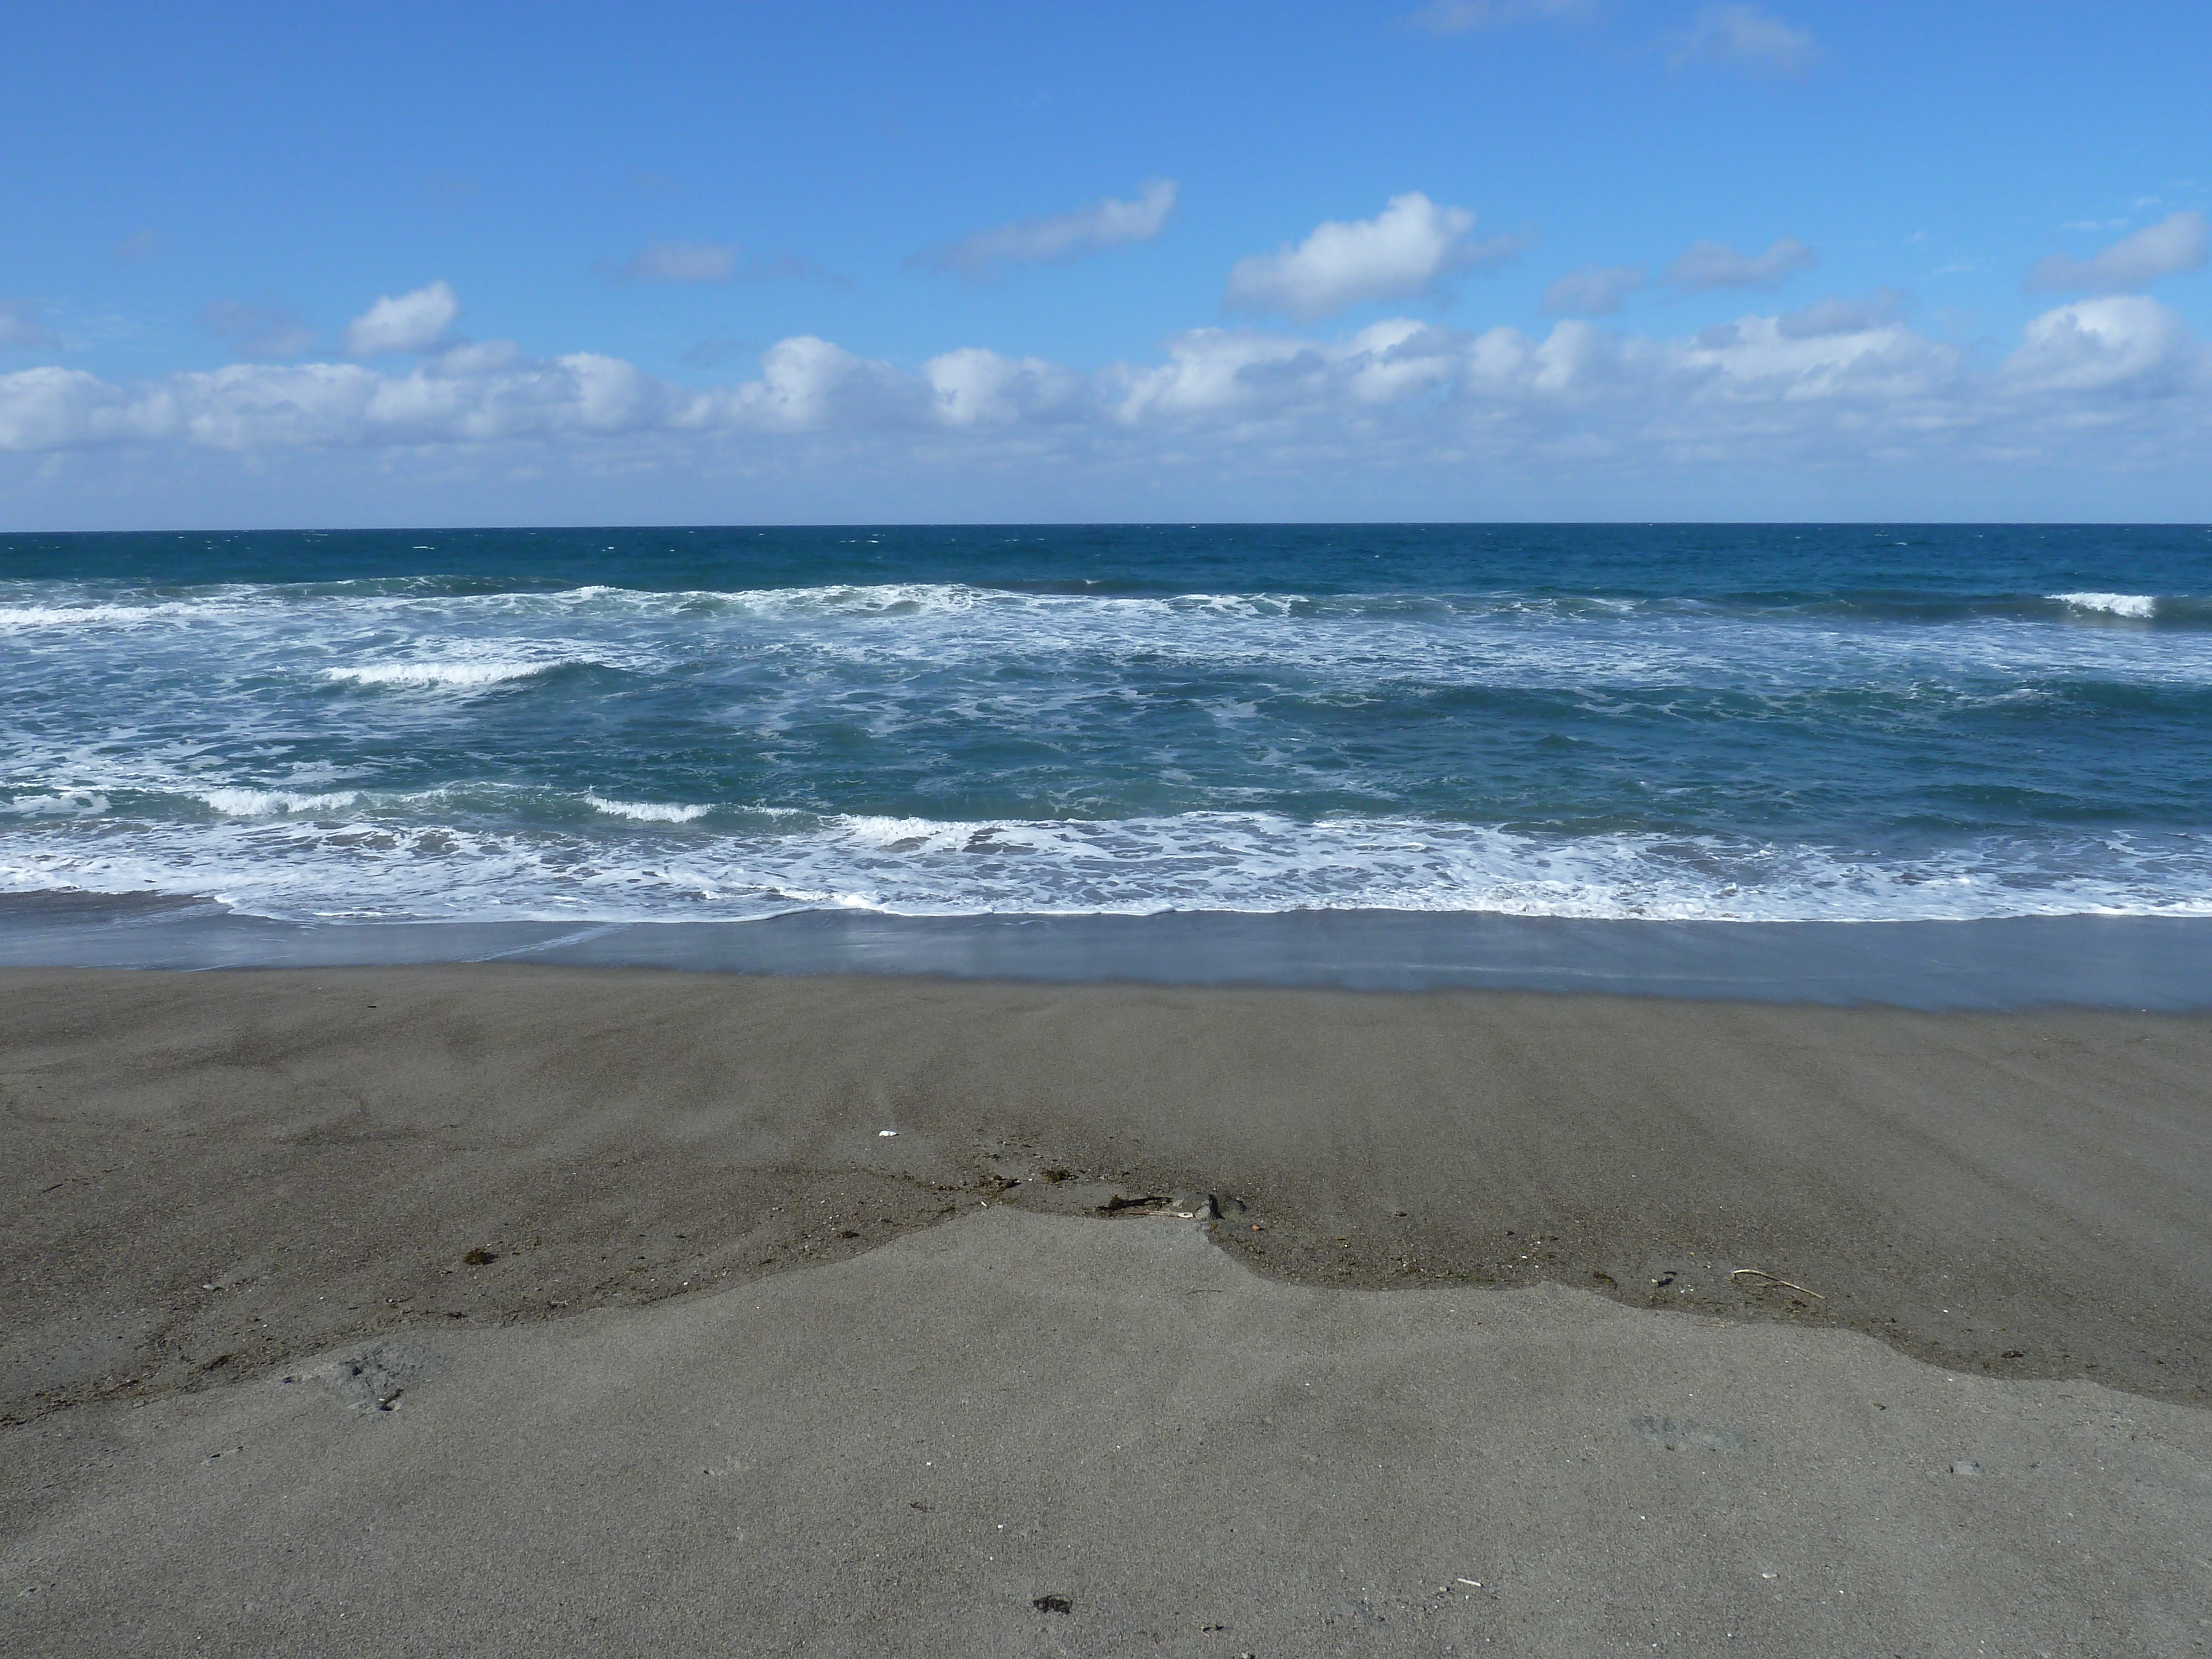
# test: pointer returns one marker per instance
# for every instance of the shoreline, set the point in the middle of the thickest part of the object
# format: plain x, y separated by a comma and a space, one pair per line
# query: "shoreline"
2140, 963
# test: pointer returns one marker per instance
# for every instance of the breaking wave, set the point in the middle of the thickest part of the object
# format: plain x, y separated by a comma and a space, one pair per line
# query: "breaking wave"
1390, 719
268, 857
647, 811
462, 675
2140, 606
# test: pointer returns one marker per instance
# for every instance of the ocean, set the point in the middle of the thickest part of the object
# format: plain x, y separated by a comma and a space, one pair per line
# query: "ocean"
1284, 727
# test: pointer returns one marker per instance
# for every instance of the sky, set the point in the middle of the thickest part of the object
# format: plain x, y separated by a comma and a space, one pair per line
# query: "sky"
267, 265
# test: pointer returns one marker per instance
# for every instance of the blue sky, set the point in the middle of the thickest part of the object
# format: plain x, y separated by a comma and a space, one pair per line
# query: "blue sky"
1550, 258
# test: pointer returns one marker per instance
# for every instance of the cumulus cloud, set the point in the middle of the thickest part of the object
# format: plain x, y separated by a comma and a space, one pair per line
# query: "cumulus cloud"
1716, 265
414, 321
475, 393
808, 384
1837, 315
1746, 38
1442, 17
264, 331
1593, 291
2177, 243
2095, 345
1213, 374
680, 261
20, 329
2105, 379
1065, 236
1755, 360
1403, 252
974, 387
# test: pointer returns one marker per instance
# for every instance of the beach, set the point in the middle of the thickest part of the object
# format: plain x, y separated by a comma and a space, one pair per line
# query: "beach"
871, 832
493, 1309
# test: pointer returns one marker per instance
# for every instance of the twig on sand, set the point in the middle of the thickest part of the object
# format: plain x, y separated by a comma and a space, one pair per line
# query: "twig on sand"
1770, 1278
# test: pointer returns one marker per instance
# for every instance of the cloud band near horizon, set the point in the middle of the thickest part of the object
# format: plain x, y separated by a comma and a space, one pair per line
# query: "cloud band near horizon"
1844, 378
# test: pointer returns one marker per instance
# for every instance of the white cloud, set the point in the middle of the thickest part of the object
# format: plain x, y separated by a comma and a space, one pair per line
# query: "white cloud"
1402, 252
680, 261
1837, 315
409, 322
808, 385
2117, 382
1756, 361
1213, 374
20, 329
1593, 291
476, 357
1746, 38
475, 393
1103, 224
258, 330
1716, 265
974, 387
2177, 243
2096, 345
1442, 17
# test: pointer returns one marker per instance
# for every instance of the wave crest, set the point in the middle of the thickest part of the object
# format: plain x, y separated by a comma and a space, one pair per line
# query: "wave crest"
270, 803
459, 675
269, 855
648, 811
2140, 607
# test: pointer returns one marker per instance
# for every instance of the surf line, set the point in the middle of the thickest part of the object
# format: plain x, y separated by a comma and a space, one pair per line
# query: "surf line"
554, 944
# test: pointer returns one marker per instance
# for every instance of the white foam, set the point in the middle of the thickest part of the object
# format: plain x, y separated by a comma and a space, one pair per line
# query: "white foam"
458, 674
906, 835
2141, 606
68, 803
649, 811
268, 803
85, 615
286, 863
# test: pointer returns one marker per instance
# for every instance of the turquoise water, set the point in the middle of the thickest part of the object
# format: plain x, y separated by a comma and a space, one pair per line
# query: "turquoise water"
1741, 723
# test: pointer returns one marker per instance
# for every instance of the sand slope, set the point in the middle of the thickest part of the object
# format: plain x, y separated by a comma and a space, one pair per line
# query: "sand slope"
209, 1172
912, 1452
681, 1354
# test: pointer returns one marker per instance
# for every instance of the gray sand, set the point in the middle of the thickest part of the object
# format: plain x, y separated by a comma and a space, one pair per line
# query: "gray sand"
672, 1193
916, 1451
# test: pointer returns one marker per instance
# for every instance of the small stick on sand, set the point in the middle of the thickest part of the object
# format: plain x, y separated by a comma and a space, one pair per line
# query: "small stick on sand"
1772, 1279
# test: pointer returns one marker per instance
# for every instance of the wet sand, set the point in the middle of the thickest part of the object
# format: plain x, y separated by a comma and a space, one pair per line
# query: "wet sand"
664, 1320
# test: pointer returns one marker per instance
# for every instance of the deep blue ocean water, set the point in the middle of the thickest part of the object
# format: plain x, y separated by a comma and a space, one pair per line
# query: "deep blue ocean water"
1734, 723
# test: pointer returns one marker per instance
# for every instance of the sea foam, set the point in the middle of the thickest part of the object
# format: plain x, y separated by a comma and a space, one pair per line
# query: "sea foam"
461, 675
267, 802
648, 811
283, 856
2141, 606
1402, 722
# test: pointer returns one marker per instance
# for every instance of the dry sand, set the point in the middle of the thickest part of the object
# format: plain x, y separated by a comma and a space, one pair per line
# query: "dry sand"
627, 1424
